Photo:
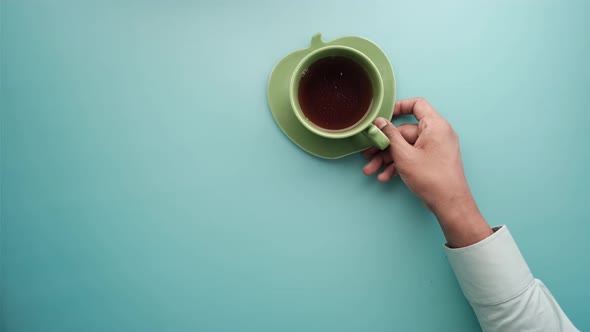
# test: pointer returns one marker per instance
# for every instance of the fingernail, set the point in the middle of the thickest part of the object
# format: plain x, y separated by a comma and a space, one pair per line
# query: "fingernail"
380, 123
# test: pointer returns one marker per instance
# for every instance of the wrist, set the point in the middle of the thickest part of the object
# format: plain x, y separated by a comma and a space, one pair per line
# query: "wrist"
455, 207
461, 221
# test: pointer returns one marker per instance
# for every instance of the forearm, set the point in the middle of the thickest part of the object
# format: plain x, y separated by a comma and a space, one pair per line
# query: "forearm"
534, 309
501, 289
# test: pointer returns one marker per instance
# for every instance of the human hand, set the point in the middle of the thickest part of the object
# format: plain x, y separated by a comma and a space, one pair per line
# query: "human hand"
428, 159
426, 155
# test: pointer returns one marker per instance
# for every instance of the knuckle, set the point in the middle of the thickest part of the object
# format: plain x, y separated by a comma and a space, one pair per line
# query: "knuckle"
420, 100
447, 126
451, 131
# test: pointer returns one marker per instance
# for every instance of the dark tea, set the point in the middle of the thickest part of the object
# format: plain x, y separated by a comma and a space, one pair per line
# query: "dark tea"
335, 93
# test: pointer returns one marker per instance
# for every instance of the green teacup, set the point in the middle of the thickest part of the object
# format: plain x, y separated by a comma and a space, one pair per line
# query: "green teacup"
365, 125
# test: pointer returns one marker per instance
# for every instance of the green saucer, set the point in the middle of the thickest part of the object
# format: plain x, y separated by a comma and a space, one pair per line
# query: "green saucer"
280, 107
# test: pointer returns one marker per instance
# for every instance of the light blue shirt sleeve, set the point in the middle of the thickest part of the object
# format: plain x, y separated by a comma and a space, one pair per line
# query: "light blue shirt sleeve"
498, 284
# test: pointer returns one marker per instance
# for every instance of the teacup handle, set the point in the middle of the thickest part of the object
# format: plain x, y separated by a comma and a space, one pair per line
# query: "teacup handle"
379, 139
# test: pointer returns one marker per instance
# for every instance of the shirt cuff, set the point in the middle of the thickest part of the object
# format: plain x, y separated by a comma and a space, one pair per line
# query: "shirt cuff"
491, 271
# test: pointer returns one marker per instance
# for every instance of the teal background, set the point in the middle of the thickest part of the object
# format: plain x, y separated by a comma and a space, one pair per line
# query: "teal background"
145, 186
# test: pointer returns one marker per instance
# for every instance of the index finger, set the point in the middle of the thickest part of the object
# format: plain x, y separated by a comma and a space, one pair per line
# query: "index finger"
419, 107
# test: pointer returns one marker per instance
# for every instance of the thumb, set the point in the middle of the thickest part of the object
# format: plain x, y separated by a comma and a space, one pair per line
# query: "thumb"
398, 142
